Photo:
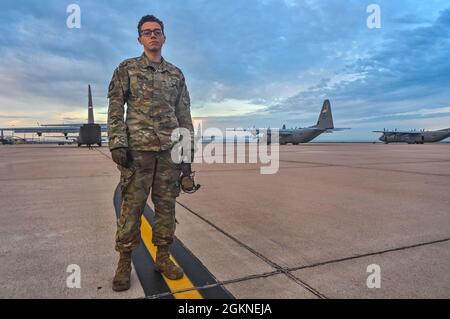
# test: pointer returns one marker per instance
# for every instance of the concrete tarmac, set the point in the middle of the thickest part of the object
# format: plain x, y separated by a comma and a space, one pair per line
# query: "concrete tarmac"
309, 231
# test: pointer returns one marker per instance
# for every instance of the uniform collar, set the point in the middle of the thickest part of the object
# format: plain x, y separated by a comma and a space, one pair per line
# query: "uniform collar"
145, 62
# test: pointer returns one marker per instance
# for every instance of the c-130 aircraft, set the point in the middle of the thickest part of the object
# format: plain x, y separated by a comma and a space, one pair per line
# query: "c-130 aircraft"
413, 137
89, 133
305, 134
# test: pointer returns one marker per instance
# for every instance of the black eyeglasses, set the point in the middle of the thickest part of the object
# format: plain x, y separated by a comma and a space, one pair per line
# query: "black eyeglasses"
149, 32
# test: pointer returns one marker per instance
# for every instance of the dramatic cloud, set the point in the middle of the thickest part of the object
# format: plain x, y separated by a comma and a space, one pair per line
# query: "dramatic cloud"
263, 63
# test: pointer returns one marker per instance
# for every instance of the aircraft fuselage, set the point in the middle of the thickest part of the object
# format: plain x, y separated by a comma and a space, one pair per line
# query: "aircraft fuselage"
297, 136
415, 138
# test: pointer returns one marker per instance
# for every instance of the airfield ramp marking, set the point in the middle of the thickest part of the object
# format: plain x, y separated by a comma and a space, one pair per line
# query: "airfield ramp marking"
287, 270
156, 285
197, 283
184, 284
279, 269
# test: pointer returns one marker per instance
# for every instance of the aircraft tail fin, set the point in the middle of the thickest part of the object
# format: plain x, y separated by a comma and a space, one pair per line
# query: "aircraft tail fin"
325, 120
90, 107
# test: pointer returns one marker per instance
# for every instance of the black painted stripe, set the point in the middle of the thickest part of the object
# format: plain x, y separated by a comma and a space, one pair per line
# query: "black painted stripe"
153, 283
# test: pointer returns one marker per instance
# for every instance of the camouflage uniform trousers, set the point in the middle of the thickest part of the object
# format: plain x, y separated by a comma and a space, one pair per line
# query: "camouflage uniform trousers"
153, 170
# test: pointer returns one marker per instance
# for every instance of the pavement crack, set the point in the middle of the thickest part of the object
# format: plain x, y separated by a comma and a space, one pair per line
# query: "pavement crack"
278, 268
105, 155
368, 254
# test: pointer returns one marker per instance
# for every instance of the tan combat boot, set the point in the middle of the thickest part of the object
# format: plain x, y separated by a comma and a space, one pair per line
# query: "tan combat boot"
164, 265
121, 280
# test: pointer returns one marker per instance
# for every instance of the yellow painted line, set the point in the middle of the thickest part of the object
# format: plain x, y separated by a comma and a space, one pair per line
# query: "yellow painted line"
174, 285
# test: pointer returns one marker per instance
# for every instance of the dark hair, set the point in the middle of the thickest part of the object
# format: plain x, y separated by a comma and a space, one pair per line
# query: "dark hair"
149, 18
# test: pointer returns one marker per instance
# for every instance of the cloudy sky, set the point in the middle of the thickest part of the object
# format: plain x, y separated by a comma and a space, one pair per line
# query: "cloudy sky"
260, 62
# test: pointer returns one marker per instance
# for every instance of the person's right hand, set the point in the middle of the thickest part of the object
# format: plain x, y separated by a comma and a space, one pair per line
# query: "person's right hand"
120, 156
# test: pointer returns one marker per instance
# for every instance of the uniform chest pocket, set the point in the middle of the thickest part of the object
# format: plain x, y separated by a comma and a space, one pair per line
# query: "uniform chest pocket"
171, 81
170, 89
140, 86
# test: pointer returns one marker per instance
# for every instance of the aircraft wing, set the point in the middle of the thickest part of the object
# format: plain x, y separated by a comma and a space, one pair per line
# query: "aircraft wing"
62, 125
71, 125
398, 132
290, 132
338, 129
49, 129
41, 129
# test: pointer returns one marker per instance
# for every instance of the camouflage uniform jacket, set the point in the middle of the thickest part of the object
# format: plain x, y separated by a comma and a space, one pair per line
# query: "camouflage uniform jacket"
157, 103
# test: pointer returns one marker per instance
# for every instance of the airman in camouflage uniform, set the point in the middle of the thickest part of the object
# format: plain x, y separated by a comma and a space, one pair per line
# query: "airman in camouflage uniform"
157, 103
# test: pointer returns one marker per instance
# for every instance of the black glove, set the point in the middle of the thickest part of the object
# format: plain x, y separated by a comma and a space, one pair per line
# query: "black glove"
120, 156
187, 179
186, 168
